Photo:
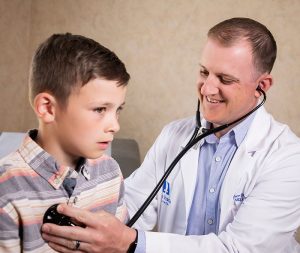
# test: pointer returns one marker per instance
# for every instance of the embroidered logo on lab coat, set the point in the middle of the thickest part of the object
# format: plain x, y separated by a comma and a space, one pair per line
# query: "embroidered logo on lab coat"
166, 191
239, 198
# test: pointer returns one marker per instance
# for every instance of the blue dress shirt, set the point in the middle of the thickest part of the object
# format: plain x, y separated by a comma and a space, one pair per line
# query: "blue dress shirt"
214, 159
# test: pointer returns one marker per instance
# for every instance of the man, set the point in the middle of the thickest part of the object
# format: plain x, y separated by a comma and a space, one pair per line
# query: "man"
238, 191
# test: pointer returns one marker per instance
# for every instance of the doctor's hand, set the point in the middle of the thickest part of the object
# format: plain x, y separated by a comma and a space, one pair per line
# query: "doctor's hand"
103, 233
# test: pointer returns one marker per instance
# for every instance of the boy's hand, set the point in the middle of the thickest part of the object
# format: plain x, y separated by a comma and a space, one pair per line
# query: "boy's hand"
103, 233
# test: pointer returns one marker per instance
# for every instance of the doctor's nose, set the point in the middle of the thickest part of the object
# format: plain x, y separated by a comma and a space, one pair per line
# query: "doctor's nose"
208, 86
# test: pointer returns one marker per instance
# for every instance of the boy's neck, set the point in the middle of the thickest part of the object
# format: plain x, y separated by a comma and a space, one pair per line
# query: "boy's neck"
52, 147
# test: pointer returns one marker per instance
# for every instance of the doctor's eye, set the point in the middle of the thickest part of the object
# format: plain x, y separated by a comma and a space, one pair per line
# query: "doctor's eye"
204, 73
100, 109
226, 81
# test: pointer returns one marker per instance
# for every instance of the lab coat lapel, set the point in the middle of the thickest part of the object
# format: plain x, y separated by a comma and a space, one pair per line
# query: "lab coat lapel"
240, 163
244, 160
189, 167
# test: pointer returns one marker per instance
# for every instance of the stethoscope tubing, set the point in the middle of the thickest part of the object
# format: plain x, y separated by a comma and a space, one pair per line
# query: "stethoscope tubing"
194, 139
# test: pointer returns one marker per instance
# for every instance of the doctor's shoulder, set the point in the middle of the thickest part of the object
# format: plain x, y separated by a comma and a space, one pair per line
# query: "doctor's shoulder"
174, 135
179, 128
284, 148
287, 138
276, 135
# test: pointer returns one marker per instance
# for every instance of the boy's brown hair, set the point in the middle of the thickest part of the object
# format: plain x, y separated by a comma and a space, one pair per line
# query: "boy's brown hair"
65, 61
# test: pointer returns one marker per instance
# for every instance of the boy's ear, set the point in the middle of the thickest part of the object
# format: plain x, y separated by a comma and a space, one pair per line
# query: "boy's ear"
44, 105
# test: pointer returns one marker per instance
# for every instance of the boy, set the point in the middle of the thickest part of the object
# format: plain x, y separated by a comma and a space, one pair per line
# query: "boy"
77, 90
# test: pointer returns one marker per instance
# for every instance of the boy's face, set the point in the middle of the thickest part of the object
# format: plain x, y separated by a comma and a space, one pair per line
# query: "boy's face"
87, 125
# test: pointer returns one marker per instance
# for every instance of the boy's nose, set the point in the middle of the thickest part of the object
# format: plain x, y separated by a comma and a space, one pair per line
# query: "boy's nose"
113, 125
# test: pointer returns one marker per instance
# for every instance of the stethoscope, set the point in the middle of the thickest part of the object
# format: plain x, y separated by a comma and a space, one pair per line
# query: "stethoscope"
196, 137
52, 216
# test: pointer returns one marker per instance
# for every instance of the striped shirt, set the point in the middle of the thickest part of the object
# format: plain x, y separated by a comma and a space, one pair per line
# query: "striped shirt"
31, 181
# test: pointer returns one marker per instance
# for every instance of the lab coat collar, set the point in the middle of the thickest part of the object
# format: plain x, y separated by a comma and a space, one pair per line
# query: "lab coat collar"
258, 135
259, 128
194, 124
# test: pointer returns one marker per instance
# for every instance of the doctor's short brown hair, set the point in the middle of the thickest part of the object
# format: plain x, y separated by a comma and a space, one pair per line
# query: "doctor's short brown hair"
66, 61
261, 40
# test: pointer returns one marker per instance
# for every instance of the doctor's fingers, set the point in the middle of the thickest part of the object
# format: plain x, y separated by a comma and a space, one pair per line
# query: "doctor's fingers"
109, 241
63, 245
67, 233
63, 249
66, 246
83, 216
101, 237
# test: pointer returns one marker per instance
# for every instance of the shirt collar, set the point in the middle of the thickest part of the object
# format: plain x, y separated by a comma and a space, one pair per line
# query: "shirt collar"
237, 133
44, 164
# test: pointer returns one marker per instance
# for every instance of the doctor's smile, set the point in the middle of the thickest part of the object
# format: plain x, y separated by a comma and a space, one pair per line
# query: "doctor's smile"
214, 101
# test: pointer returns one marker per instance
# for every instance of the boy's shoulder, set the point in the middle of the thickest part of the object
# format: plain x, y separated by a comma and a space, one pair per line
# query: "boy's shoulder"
104, 164
104, 160
13, 170
12, 163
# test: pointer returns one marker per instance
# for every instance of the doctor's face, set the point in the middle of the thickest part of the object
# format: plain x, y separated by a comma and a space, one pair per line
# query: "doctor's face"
227, 82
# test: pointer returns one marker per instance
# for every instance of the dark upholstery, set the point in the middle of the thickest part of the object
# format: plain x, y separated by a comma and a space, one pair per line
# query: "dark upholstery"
126, 153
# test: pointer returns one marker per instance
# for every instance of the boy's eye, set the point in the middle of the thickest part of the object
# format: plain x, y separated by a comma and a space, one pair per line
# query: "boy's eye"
119, 111
100, 109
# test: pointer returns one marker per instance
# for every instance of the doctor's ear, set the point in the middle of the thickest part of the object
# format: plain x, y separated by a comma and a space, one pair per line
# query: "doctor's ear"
265, 83
44, 105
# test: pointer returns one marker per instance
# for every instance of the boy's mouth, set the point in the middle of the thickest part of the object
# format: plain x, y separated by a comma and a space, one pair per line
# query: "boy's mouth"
104, 144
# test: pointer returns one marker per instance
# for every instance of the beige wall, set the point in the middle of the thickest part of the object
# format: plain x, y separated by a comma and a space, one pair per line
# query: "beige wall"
14, 61
160, 42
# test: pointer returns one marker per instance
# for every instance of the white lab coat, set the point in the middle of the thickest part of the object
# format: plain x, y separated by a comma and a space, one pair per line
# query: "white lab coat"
265, 169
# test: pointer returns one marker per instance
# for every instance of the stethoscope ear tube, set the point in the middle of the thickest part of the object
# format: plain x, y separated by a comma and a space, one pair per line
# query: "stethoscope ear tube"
194, 139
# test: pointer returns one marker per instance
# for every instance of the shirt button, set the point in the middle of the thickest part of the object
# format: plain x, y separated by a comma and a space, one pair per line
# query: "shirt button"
75, 200
212, 190
218, 159
210, 221
86, 173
